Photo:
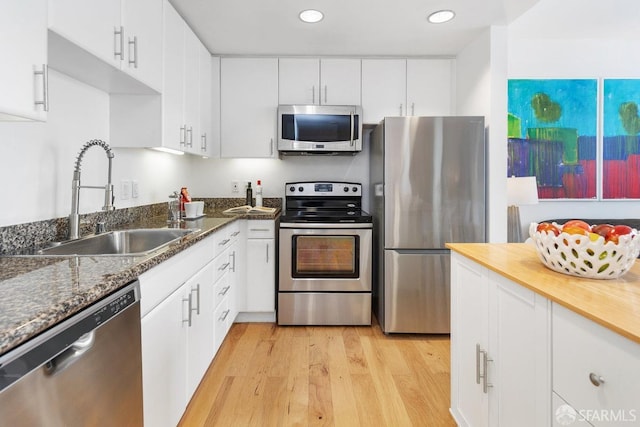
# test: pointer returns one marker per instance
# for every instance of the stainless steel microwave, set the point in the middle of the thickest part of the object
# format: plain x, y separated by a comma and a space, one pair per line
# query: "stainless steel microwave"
319, 129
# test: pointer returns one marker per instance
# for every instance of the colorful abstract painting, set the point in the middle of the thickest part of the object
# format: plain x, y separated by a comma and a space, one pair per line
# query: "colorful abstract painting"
620, 148
552, 128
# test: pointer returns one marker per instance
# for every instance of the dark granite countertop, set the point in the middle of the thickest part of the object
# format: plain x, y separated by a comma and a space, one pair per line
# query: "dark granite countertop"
39, 292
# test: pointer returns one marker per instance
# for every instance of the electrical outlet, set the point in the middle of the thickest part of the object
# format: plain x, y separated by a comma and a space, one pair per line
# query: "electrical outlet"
125, 189
134, 189
235, 186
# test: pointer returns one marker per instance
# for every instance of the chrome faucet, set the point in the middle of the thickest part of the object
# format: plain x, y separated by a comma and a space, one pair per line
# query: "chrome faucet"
74, 218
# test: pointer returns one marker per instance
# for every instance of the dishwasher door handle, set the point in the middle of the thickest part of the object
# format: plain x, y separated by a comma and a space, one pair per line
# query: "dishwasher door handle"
69, 356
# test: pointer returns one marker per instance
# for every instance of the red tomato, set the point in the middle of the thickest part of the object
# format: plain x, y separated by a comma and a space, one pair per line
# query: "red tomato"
602, 229
616, 232
547, 227
576, 223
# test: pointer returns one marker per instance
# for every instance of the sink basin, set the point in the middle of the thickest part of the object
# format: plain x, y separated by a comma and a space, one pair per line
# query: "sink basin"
125, 242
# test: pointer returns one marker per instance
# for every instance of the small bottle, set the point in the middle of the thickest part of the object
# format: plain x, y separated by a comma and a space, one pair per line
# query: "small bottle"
258, 194
249, 199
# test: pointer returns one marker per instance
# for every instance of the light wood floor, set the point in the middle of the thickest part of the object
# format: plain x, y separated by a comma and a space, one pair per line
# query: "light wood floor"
269, 375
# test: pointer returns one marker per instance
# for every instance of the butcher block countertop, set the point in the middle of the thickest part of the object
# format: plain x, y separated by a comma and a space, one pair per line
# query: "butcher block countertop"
614, 304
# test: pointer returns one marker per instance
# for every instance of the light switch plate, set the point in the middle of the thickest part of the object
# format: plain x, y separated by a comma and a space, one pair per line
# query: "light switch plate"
134, 189
125, 189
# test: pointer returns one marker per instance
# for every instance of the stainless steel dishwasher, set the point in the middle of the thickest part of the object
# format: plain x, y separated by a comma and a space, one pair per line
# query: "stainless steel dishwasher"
85, 371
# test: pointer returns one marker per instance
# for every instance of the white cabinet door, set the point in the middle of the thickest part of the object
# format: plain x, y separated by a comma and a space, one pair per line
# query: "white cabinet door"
201, 328
173, 135
519, 321
299, 81
213, 139
340, 81
469, 339
94, 25
429, 87
23, 53
261, 275
249, 100
164, 356
384, 89
205, 144
191, 115
142, 21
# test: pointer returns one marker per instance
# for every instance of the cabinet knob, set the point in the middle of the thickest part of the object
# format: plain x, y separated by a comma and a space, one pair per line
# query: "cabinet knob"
596, 379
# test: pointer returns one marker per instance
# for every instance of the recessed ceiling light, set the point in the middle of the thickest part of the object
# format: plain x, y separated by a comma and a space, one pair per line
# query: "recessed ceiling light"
441, 16
311, 16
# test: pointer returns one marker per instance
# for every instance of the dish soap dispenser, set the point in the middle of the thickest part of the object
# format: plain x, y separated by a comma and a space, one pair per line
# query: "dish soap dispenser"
249, 198
258, 193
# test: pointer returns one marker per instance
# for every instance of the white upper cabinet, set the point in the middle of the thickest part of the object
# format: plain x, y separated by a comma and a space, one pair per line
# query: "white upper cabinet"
173, 133
205, 144
429, 87
191, 91
212, 140
23, 73
142, 23
384, 88
249, 101
125, 34
319, 81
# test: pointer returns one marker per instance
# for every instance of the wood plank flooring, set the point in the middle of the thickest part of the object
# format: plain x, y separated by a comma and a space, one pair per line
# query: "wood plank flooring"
269, 375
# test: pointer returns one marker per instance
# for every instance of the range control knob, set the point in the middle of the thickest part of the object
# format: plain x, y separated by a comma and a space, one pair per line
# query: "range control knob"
292, 188
300, 188
346, 189
354, 189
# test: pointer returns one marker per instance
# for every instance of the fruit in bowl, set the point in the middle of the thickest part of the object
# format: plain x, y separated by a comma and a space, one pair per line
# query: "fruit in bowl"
601, 251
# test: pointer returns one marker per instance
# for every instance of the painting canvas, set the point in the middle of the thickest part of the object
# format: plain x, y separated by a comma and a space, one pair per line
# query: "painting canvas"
620, 148
552, 127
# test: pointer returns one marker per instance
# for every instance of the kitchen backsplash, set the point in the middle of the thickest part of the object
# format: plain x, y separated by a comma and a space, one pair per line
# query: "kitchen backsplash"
16, 238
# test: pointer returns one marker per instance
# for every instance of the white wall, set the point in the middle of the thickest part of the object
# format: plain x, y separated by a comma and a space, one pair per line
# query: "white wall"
481, 90
37, 159
213, 177
607, 52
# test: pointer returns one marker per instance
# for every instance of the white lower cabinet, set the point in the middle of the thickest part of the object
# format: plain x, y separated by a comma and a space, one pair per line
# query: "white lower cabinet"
260, 278
500, 354
596, 372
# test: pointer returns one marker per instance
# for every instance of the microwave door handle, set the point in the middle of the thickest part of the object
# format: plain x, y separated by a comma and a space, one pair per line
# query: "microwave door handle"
352, 123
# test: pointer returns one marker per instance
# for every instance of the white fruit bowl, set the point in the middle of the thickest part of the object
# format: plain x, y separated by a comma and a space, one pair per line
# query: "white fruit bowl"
578, 255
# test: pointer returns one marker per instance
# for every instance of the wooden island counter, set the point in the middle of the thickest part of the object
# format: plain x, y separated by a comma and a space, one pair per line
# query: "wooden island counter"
534, 347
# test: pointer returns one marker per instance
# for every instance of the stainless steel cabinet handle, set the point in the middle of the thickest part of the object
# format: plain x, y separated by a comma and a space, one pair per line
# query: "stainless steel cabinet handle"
485, 373
224, 316
313, 94
197, 291
190, 309
596, 379
267, 253
235, 234
400, 109
413, 108
224, 266
233, 264
183, 131
271, 147
258, 229
478, 376
224, 290
133, 42
69, 356
45, 87
118, 32
190, 139
203, 142
325, 94
224, 242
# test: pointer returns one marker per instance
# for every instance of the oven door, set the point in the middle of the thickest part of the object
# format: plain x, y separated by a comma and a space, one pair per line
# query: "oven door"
325, 257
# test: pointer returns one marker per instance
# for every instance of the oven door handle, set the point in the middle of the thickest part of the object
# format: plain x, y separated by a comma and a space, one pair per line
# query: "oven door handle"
326, 225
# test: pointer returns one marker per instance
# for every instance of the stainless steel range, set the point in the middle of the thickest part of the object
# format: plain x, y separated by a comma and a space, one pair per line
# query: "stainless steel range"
324, 256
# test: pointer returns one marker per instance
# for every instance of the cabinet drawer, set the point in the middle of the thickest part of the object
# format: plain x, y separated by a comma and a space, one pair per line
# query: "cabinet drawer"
222, 319
585, 352
260, 229
222, 264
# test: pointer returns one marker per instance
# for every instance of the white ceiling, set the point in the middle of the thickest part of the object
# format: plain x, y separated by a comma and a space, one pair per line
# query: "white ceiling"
350, 27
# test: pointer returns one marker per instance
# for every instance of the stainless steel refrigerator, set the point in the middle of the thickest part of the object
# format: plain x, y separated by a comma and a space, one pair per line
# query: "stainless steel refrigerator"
427, 178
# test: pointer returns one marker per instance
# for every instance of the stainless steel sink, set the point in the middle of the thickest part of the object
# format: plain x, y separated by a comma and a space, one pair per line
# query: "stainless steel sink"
124, 243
